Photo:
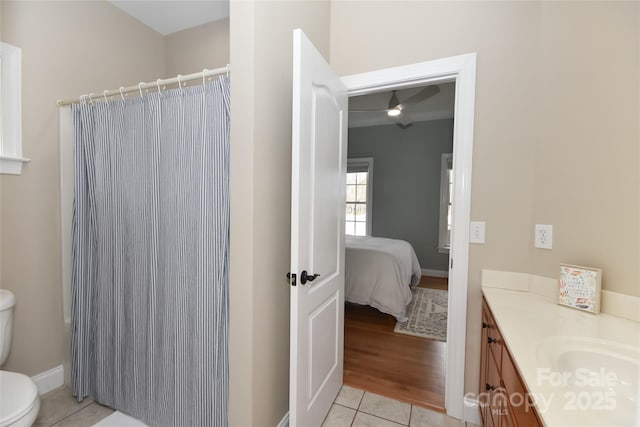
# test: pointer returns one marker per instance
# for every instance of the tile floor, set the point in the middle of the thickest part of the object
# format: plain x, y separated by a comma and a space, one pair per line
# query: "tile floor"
59, 408
357, 408
352, 408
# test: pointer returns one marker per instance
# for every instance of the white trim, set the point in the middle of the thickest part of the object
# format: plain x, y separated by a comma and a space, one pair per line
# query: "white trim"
620, 305
49, 380
472, 411
462, 70
12, 165
435, 273
67, 168
11, 159
369, 161
284, 422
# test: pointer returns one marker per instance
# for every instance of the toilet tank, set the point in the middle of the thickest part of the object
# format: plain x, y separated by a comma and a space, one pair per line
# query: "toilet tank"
7, 301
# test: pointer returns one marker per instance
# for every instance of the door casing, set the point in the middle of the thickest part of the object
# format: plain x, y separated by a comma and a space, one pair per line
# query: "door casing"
460, 69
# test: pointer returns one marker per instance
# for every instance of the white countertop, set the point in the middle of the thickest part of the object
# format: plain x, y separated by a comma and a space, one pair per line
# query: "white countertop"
597, 354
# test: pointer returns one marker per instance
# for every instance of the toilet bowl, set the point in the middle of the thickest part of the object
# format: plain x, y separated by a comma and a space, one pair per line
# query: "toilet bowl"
19, 399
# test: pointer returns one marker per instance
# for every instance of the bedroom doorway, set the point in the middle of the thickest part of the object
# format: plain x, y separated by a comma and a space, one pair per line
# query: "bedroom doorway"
459, 71
398, 350
408, 150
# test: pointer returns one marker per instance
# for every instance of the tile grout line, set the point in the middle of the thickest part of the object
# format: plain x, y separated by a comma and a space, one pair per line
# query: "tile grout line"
410, 415
56, 392
58, 421
357, 409
353, 420
344, 406
361, 399
381, 417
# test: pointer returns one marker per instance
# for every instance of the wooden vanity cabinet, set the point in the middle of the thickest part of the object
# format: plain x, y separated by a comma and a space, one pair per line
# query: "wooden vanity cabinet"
504, 400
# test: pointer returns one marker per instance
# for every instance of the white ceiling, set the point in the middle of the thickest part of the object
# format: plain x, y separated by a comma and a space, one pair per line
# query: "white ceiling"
439, 106
169, 16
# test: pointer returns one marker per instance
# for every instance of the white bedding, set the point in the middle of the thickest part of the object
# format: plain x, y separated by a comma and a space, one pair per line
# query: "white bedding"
378, 273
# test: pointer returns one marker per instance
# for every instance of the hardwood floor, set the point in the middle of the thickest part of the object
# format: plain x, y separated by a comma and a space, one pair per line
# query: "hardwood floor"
441, 283
398, 366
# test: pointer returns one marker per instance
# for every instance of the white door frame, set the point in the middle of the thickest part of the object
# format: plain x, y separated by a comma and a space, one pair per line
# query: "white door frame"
462, 70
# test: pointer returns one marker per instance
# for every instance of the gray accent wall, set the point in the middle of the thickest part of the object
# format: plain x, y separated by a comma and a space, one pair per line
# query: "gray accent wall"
406, 182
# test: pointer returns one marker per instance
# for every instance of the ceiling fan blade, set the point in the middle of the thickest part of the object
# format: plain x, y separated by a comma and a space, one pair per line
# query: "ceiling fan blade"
368, 111
402, 120
393, 101
423, 95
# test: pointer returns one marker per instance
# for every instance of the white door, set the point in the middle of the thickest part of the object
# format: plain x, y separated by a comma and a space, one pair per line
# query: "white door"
319, 155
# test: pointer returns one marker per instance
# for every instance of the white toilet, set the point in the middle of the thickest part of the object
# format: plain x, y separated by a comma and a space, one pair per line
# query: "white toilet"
19, 400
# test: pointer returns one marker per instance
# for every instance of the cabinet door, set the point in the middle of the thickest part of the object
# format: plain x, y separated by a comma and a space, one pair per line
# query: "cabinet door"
506, 419
503, 399
493, 392
520, 404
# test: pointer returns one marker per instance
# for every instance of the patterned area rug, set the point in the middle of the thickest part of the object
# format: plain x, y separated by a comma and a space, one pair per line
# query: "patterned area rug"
427, 314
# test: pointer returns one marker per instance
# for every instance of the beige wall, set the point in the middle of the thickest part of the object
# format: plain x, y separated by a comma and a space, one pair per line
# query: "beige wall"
194, 49
587, 159
556, 125
68, 48
261, 46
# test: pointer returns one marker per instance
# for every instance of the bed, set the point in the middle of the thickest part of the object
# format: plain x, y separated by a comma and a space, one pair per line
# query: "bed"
379, 272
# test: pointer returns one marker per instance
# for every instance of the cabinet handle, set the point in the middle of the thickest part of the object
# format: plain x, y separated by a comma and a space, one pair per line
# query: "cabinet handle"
485, 325
490, 387
491, 340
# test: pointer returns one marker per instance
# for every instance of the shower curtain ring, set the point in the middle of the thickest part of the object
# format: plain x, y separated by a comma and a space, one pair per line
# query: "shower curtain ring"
228, 67
104, 93
91, 99
121, 94
203, 75
158, 84
140, 88
180, 81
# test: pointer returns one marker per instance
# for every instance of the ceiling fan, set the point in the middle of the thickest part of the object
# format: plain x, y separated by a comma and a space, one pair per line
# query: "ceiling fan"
395, 108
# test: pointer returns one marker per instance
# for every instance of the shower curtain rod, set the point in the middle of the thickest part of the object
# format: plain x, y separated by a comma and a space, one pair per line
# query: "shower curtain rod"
142, 86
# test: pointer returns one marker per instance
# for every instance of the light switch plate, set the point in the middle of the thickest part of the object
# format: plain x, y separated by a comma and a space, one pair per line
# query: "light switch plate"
543, 238
476, 232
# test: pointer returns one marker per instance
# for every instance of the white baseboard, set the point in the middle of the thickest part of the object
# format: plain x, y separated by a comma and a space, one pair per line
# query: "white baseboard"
472, 411
49, 380
284, 422
435, 273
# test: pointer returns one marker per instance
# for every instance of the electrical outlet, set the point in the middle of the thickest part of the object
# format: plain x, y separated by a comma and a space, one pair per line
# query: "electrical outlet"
476, 231
544, 236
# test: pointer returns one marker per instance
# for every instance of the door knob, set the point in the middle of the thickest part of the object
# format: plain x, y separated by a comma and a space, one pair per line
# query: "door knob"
306, 277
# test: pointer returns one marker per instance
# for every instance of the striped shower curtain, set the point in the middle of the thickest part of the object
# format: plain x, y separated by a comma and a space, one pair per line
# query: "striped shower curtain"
150, 255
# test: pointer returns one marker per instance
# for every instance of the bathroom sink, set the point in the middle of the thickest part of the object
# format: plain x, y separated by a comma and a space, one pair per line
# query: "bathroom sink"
592, 374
